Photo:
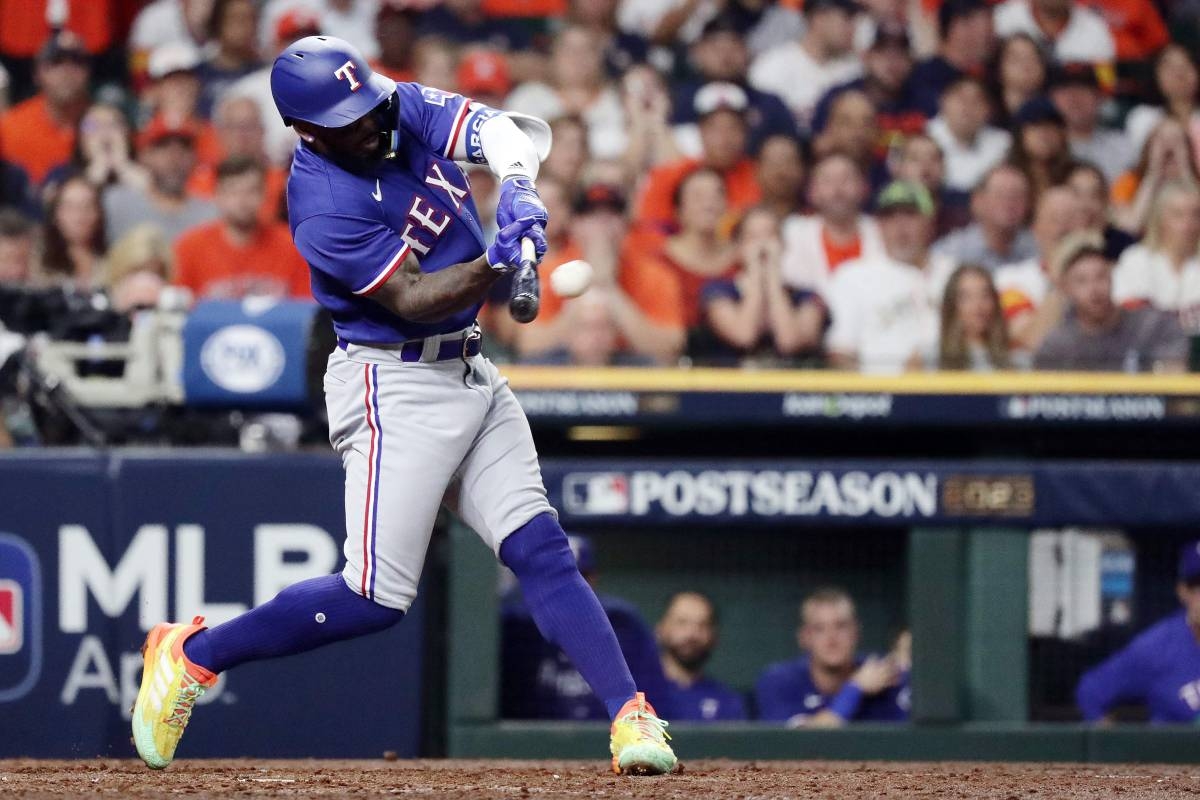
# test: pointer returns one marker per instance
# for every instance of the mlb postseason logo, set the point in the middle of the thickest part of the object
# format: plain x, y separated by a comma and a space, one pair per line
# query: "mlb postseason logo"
596, 493
20, 618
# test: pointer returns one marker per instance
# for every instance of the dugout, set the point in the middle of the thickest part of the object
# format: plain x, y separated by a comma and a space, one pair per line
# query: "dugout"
917, 493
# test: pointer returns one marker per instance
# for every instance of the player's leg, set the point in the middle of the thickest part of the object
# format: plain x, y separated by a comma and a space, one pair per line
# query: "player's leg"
499, 494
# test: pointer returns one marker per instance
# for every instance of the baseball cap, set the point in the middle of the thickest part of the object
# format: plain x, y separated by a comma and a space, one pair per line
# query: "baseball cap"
1189, 562
953, 10
848, 6
296, 23
1074, 74
720, 96
1038, 111
173, 57
600, 196
158, 130
891, 35
904, 195
62, 45
484, 72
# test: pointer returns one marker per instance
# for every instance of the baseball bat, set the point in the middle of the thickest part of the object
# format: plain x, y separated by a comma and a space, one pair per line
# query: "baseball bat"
525, 298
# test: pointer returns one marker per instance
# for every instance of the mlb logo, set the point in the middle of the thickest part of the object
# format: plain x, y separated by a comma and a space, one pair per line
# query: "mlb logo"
12, 617
596, 493
20, 618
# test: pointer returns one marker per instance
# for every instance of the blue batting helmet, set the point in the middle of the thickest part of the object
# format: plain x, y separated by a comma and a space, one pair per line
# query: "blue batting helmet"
326, 81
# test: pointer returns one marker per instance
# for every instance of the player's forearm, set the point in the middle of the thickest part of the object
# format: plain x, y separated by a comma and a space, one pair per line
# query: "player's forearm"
432, 296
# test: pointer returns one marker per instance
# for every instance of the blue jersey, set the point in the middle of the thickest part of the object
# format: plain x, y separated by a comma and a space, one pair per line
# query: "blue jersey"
356, 228
1160, 669
786, 693
706, 700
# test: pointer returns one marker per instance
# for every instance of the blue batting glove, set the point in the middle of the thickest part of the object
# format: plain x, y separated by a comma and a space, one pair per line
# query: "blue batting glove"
518, 199
504, 254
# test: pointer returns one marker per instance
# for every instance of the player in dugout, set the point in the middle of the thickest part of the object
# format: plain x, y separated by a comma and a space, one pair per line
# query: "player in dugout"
687, 636
1160, 668
831, 685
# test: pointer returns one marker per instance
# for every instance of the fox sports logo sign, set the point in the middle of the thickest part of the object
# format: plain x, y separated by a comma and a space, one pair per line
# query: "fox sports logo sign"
243, 359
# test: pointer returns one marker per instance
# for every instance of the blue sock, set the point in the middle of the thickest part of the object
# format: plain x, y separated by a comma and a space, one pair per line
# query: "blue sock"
301, 617
565, 608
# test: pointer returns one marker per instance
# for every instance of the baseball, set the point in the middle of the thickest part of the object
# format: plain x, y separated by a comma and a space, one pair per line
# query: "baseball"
572, 278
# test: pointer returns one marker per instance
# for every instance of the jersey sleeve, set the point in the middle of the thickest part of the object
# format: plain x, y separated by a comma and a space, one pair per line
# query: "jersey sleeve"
1119, 679
775, 697
445, 122
360, 254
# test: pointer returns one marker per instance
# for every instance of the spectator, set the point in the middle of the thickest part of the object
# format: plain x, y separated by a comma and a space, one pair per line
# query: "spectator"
1040, 146
1167, 157
396, 33
464, 22
569, 155
971, 146
780, 171
103, 152
687, 636
814, 246
1017, 74
281, 139
668, 22
651, 140
1098, 334
883, 307
1092, 190
16, 249
138, 269
15, 191
721, 55
853, 131
484, 77
644, 295
165, 22
1067, 28
721, 108
1158, 668
621, 49
801, 71
233, 28
536, 679
972, 335
74, 241
238, 255
966, 36
1076, 94
831, 684
887, 83
1136, 26
998, 236
1163, 271
435, 63
754, 313
1176, 95
919, 159
591, 336
38, 134
169, 155
174, 95
238, 127
577, 85
1032, 300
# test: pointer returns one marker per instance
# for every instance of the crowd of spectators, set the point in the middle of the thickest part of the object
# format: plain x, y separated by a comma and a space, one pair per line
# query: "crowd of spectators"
878, 185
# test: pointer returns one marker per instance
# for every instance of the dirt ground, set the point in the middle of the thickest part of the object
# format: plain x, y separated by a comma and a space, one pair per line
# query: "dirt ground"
577, 779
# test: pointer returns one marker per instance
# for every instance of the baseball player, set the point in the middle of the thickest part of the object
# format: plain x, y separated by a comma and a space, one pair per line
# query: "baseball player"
386, 221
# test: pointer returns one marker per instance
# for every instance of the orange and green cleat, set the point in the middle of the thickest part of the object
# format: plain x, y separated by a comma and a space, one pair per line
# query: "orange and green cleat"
639, 740
171, 685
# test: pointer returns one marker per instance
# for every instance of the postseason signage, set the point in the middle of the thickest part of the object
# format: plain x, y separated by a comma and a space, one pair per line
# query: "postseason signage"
874, 493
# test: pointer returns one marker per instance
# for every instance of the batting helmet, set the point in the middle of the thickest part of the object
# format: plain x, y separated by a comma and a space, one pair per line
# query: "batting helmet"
326, 81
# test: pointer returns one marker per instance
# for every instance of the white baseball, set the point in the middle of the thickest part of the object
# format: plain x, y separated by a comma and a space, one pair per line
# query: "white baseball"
572, 278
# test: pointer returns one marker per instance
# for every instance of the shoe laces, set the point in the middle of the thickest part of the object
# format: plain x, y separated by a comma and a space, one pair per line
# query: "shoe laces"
647, 725
189, 693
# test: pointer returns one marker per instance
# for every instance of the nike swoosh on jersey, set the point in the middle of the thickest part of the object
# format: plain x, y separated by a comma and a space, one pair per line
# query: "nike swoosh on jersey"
378, 193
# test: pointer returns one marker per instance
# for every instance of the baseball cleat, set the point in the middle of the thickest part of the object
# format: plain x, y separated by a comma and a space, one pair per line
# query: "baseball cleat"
171, 685
639, 740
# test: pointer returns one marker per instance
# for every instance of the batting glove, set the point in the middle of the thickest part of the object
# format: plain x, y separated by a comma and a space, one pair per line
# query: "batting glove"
518, 199
504, 255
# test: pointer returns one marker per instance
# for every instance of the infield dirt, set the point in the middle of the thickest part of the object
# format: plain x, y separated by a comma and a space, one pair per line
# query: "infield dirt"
589, 779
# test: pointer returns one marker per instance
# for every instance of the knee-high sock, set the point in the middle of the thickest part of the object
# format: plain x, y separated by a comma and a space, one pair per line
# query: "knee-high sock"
565, 608
301, 617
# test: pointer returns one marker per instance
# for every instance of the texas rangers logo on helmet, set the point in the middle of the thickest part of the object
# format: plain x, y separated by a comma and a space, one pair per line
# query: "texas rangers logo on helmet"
346, 73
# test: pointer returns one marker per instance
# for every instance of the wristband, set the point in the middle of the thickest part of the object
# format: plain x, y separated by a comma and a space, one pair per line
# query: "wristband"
846, 702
